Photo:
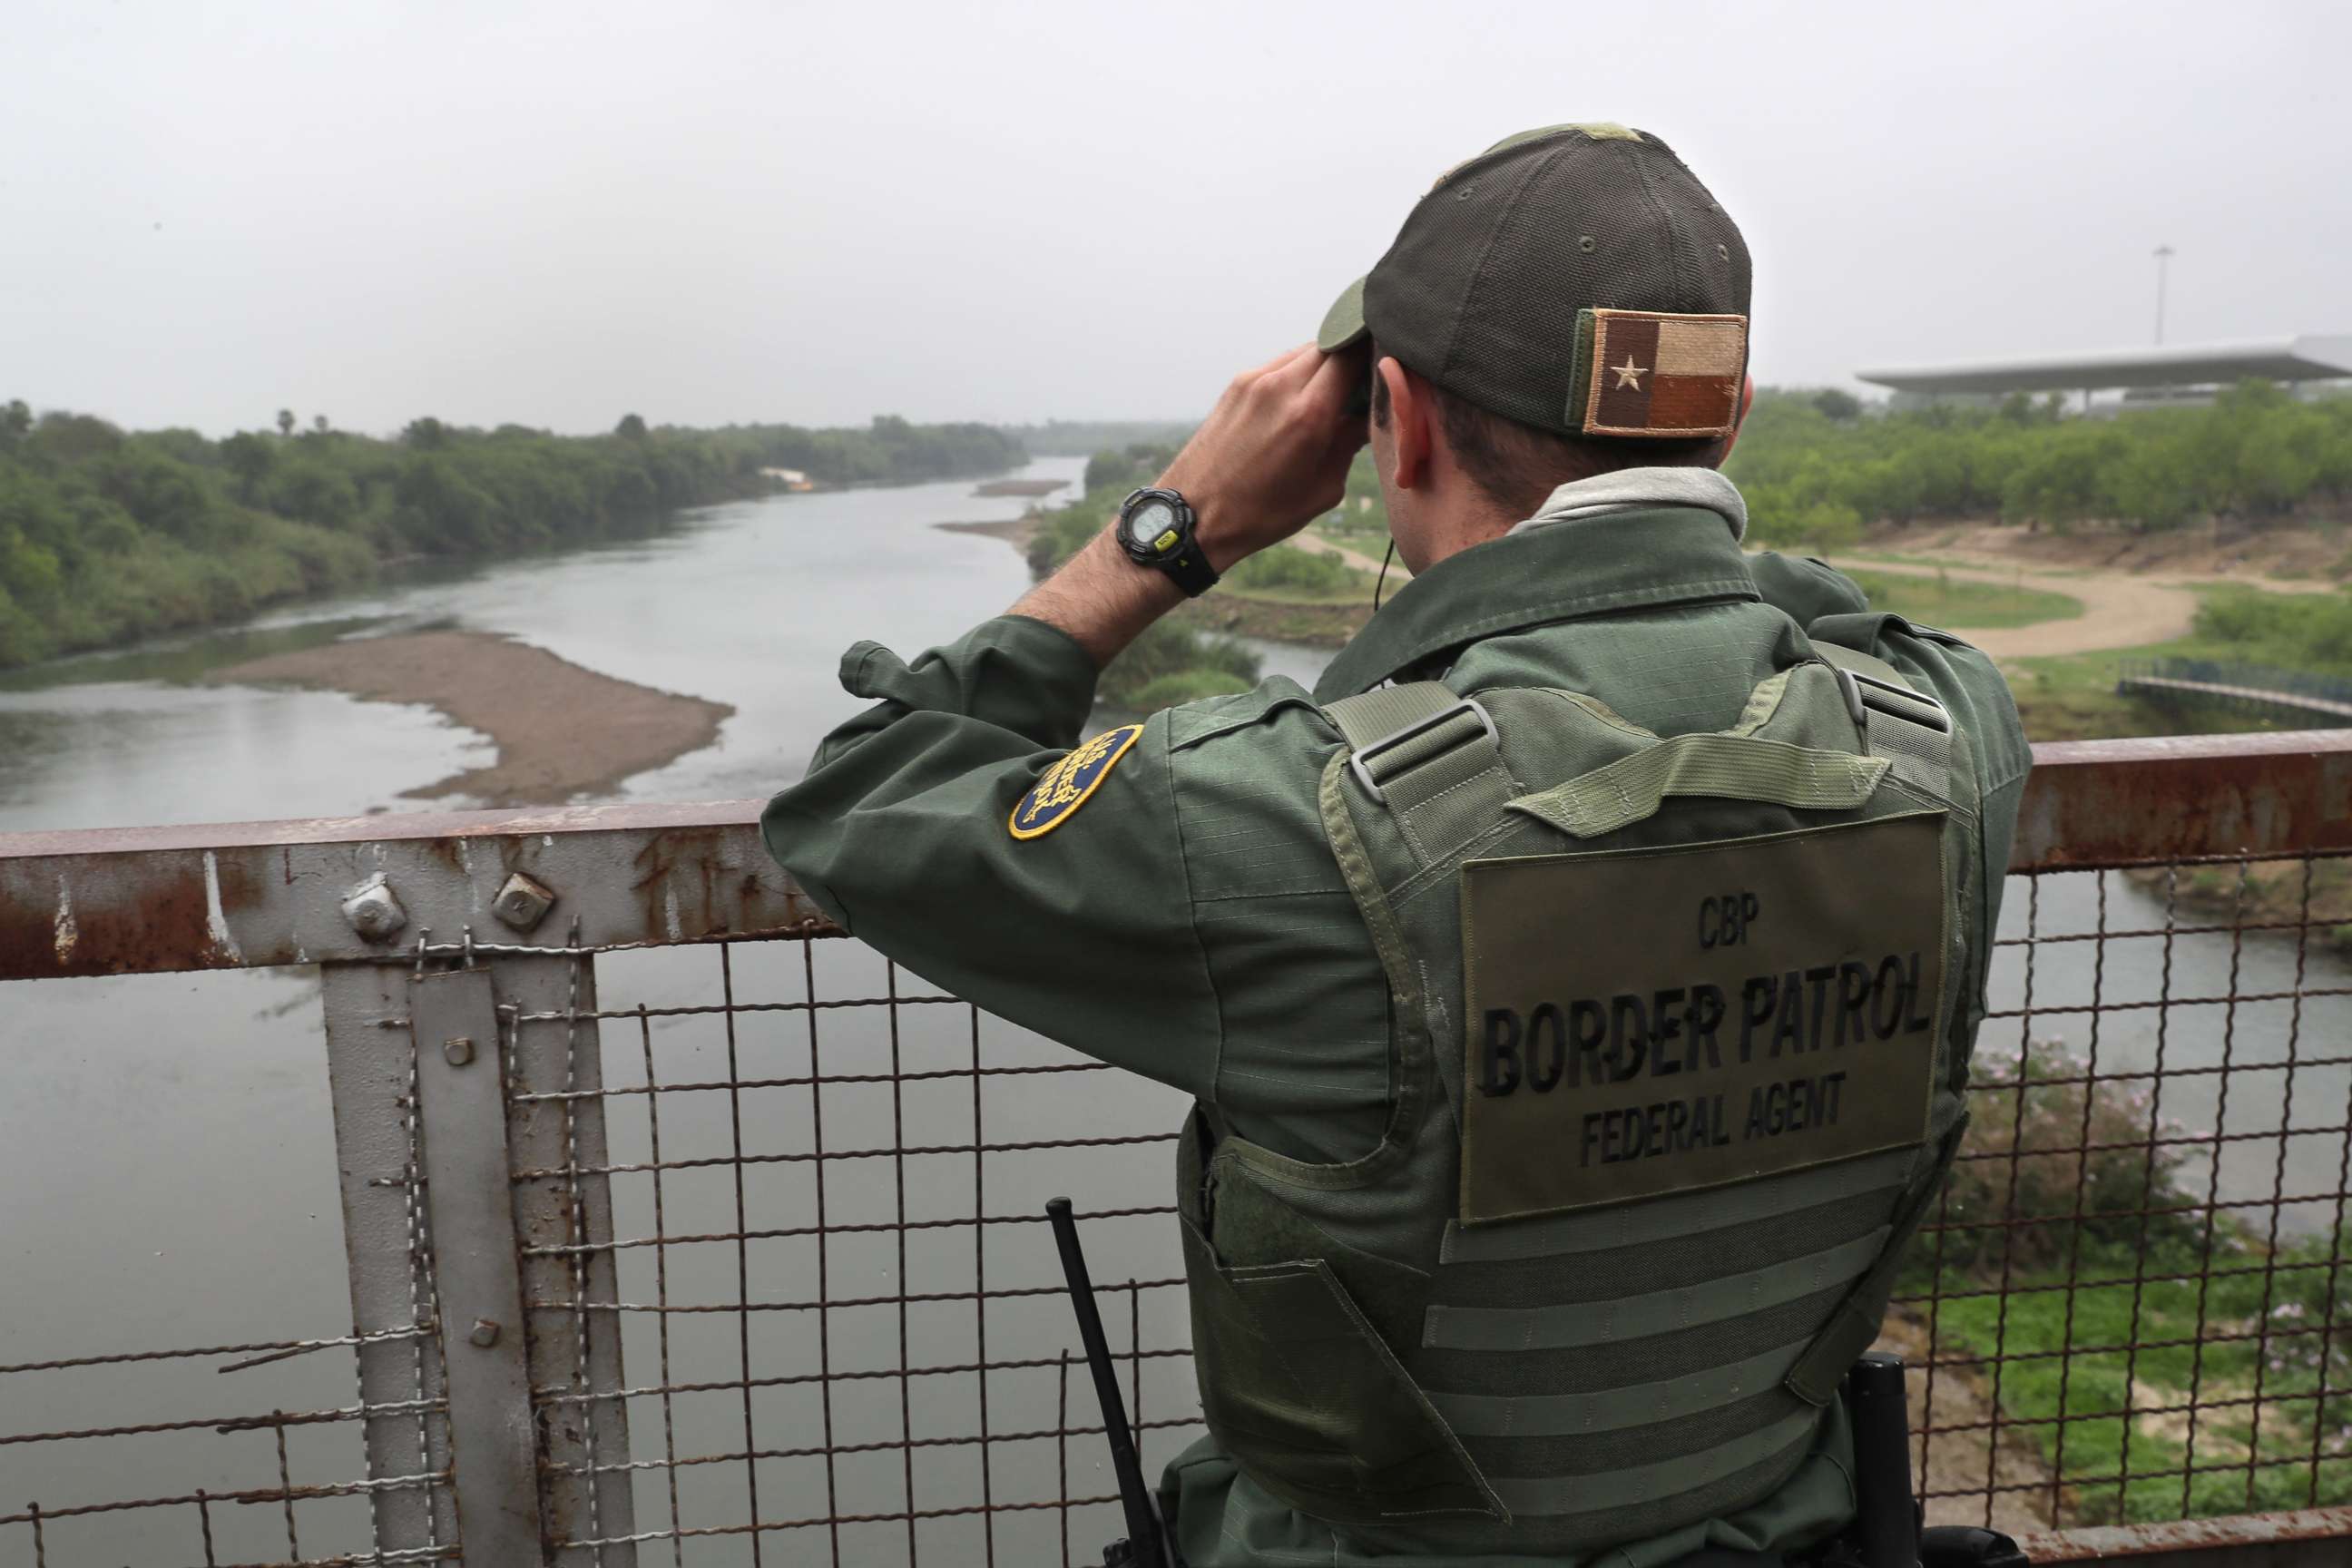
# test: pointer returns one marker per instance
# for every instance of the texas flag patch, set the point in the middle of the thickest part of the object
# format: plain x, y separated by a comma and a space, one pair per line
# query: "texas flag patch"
1648, 372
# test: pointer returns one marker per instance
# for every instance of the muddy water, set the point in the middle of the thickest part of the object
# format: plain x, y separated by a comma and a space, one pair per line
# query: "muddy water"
167, 1169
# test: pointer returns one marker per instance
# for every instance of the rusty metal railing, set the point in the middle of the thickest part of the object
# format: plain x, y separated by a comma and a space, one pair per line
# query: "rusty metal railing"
679, 1226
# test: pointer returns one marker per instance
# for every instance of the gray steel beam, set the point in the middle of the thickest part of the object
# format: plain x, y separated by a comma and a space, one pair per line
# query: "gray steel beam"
454, 1024
575, 1336
368, 1067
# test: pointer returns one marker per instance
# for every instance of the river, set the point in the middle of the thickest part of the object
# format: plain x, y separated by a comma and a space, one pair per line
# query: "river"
167, 1171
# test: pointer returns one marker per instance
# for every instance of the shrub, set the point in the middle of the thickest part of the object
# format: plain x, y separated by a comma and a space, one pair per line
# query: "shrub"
1286, 567
2023, 1159
1186, 686
2303, 631
1169, 651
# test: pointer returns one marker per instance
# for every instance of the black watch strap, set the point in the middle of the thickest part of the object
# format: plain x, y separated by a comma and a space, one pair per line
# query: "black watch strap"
1174, 548
1191, 571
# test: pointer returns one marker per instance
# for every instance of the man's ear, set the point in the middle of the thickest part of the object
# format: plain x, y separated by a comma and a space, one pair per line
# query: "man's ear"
1747, 401
1410, 413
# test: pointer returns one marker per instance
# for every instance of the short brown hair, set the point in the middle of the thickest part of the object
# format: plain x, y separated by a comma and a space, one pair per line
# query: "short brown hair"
1517, 466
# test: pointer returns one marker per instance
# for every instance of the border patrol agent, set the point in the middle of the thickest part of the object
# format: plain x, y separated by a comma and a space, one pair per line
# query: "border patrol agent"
1576, 988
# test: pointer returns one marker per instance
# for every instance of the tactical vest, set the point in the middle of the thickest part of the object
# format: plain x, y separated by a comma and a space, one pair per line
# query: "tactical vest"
1678, 1034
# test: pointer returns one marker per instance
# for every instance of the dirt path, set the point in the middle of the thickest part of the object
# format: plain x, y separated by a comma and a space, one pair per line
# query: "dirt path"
1315, 545
561, 731
2120, 609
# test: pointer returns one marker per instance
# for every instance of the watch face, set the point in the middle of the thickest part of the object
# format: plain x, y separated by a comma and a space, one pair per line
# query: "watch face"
1147, 523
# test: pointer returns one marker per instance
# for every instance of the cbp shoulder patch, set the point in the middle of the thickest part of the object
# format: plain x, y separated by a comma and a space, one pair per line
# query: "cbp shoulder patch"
1062, 788
1647, 372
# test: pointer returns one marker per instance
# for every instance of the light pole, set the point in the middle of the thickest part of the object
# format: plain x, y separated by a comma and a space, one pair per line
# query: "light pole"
2163, 254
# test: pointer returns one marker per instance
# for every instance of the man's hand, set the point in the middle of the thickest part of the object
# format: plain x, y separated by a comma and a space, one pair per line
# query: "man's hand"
1273, 455
1271, 458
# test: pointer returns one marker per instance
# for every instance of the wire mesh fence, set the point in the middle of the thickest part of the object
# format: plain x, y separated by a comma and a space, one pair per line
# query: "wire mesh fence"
804, 1190
2131, 1303
247, 1453
247, 1525
840, 1308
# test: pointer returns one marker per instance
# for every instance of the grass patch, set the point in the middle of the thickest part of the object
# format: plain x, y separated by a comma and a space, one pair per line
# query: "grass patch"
2120, 1253
1185, 686
2073, 697
2094, 1449
1943, 601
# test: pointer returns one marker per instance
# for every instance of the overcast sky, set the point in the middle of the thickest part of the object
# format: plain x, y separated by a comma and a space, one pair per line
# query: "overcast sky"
555, 214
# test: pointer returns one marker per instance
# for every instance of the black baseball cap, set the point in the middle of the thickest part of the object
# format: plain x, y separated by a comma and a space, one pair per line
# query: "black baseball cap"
1576, 278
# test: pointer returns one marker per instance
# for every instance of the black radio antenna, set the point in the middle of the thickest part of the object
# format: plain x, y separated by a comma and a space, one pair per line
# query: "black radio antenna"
1145, 1546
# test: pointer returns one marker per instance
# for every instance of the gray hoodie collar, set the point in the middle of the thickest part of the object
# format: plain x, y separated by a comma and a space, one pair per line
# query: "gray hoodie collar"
1631, 488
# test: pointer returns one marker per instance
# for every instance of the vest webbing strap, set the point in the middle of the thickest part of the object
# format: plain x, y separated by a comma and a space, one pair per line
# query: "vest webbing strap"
1909, 729
1430, 756
1729, 767
1613, 1409
1568, 1325
1630, 1484
1668, 1219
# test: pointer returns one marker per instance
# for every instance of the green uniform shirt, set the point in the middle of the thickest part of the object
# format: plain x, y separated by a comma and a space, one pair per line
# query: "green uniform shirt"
1187, 919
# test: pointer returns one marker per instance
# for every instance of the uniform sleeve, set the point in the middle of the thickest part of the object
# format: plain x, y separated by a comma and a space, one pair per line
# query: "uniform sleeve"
901, 832
1805, 589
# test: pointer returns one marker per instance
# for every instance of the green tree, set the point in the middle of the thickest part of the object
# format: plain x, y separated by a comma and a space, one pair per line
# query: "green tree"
313, 492
248, 456
1838, 404
15, 424
71, 437
632, 427
167, 496
285, 421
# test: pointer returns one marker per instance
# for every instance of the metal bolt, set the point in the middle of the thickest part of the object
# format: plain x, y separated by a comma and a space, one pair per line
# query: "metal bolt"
523, 902
484, 1334
458, 1049
372, 909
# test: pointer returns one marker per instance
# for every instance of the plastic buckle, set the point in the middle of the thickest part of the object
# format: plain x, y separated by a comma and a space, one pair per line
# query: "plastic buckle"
1395, 738
1943, 719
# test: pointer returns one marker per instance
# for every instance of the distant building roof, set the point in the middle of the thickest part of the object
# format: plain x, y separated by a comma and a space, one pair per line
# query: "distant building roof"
2280, 359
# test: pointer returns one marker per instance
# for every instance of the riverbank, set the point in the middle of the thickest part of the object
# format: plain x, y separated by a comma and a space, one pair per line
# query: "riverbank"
1320, 624
1017, 531
110, 537
1319, 620
561, 730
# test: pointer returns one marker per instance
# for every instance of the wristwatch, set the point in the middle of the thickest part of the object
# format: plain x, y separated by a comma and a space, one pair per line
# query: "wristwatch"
1157, 529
